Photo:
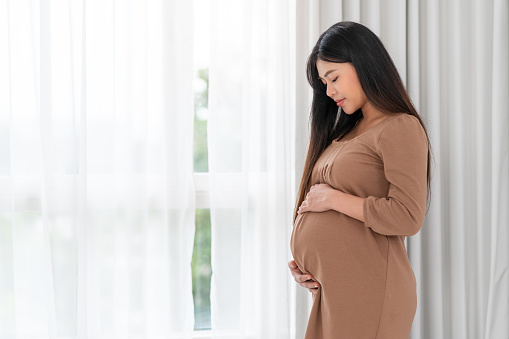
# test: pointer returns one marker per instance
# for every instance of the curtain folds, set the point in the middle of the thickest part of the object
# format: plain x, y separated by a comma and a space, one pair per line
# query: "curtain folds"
463, 93
250, 137
97, 197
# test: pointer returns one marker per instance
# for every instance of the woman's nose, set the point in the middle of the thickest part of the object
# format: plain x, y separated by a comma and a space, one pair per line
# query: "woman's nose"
330, 90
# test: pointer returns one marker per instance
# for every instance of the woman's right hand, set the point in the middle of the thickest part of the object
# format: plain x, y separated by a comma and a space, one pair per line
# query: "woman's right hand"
305, 280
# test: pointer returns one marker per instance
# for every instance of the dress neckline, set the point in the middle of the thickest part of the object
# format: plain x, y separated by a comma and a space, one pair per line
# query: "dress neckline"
338, 142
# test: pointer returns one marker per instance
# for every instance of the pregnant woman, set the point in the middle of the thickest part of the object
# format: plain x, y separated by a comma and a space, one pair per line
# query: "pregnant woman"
364, 189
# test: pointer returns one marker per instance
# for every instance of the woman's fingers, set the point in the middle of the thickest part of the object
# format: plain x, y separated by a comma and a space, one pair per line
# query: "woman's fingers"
292, 264
294, 270
312, 287
305, 280
310, 284
297, 273
298, 276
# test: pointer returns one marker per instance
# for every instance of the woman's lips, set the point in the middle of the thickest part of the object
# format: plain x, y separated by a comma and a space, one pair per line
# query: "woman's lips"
340, 102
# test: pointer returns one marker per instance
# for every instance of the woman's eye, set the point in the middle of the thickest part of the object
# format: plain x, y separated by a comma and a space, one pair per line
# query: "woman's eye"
335, 79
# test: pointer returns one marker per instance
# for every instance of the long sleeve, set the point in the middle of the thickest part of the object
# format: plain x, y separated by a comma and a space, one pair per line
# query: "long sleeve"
403, 149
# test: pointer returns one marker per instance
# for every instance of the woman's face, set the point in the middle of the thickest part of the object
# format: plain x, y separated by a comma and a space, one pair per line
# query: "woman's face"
343, 85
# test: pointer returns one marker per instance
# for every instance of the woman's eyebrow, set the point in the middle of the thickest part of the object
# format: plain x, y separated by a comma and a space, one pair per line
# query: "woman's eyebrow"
332, 70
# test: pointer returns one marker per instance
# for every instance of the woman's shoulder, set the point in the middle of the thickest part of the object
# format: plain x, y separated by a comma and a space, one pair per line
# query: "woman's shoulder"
402, 121
402, 126
404, 117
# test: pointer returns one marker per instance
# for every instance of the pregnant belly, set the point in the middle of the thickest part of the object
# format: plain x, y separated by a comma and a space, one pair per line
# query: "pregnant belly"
325, 243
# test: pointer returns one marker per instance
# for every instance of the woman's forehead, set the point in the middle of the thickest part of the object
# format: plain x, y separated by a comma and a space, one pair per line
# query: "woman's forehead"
325, 67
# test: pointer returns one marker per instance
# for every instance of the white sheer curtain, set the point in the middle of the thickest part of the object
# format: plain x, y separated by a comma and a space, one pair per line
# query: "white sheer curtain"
96, 192
453, 57
250, 135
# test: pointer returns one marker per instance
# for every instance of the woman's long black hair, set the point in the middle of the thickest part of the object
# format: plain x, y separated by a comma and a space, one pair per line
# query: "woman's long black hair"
352, 42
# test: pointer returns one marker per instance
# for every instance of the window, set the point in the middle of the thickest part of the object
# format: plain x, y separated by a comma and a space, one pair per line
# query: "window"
201, 263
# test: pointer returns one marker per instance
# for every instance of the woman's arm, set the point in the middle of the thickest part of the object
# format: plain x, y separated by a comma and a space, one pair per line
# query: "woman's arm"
322, 197
403, 146
348, 204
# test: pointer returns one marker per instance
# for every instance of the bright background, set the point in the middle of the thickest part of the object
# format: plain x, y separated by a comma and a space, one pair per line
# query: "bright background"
150, 153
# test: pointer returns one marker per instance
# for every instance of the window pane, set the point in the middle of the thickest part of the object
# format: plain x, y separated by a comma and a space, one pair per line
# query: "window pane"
201, 61
201, 94
201, 265
202, 271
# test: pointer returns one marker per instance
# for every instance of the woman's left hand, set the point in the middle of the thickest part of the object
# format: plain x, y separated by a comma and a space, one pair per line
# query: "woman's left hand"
318, 199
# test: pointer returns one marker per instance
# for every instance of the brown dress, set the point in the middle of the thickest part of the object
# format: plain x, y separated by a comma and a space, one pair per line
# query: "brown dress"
368, 288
